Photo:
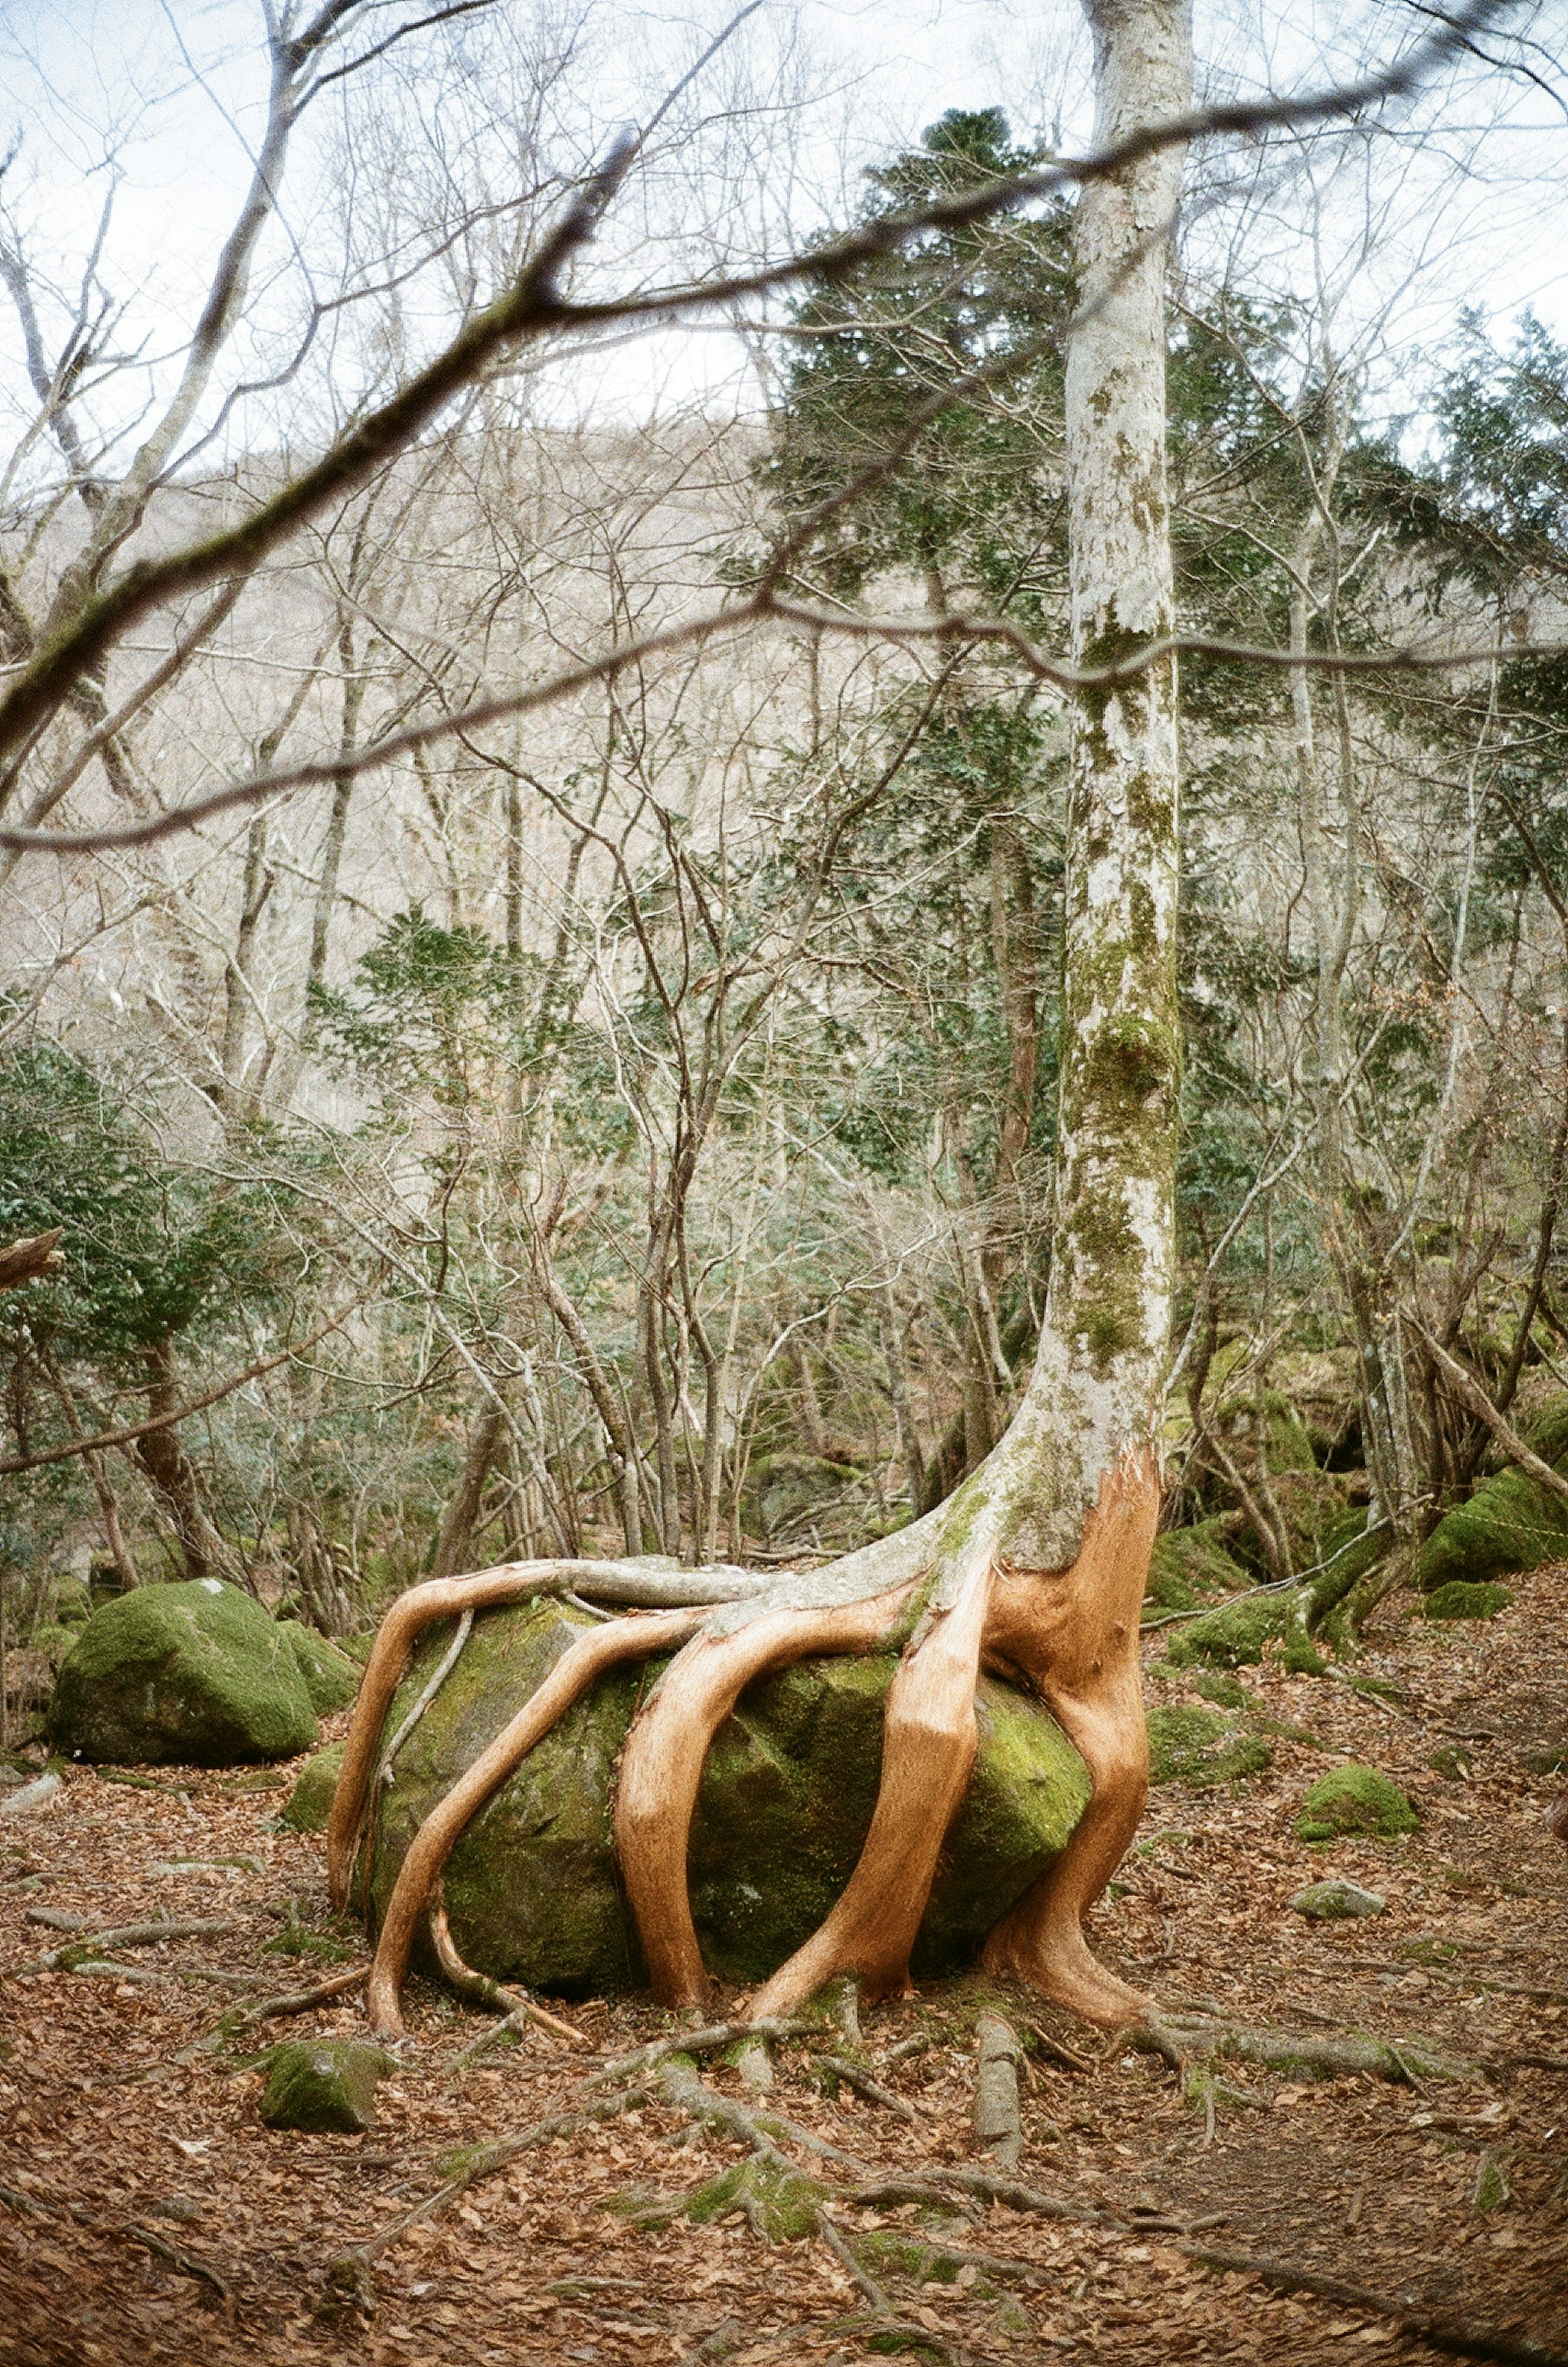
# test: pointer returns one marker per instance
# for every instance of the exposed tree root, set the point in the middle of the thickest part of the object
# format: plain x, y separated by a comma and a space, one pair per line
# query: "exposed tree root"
1346, 2055
441, 1598
1459, 2338
998, 2121
852, 2076
1069, 1634
515, 2005
929, 1736
595, 1651
662, 1769
304, 2000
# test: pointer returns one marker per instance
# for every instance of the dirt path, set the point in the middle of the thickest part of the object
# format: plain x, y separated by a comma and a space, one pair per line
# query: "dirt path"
148, 2216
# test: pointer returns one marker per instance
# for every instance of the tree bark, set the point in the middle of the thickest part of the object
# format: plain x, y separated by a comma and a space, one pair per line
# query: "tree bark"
173, 1474
457, 1522
1035, 1568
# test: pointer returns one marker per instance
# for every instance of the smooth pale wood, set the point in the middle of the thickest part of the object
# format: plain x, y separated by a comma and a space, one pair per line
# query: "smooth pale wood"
1074, 1641
597, 1649
930, 1738
666, 1751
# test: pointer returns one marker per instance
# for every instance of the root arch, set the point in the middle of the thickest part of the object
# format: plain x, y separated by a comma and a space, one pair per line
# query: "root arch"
1068, 1634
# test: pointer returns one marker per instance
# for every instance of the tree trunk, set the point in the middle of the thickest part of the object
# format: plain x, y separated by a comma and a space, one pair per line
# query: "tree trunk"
457, 1522
173, 1475
1035, 1568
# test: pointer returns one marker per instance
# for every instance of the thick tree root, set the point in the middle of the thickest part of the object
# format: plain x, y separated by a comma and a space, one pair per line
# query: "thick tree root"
1069, 1634
1346, 2055
595, 1651
930, 1738
444, 1598
1077, 1638
662, 1769
998, 2123
515, 2005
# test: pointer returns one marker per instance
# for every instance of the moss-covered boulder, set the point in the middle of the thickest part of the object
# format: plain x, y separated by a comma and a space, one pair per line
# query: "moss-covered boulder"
194, 1672
1202, 1748
1456, 1600
330, 1678
308, 1805
1355, 1799
322, 2083
1189, 1565
1237, 1635
1511, 1522
532, 1889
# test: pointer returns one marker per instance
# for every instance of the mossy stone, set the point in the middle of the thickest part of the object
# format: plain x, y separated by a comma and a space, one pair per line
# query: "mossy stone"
1335, 1902
330, 1678
1202, 1748
1456, 1600
532, 1888
1188, 1564
1356, 1799
322, 2083
1511, 1522
1232, 1636
308, 1805
193, 1672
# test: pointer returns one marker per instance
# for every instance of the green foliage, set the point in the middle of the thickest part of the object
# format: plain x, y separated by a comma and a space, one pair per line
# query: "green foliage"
153, 1249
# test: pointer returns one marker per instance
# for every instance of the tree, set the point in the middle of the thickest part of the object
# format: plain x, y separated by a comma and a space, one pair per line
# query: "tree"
1037, 1563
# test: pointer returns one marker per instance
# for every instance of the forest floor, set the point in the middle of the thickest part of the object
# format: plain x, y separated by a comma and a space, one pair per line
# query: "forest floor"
147, 2215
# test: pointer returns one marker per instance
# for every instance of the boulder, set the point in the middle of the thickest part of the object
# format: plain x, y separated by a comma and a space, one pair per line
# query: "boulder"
322, 2083
1511, 1522
532, 1889
1354, 1799
330, 1678
1456, 1600
1335, 1902
1189, 1565
309, 1803
194, 1673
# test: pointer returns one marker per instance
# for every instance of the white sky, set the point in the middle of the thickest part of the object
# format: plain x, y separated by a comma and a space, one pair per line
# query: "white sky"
1472, 211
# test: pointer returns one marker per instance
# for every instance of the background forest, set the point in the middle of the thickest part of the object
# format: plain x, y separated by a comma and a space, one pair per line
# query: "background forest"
627, 1127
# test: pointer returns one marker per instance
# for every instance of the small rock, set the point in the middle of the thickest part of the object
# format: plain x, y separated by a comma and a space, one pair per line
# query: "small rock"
328, 2083
1331, 1902
1491, 2190
1356, 1799
36, 1794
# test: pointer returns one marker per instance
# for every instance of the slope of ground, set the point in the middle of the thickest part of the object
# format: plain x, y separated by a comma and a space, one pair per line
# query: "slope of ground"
147, 2215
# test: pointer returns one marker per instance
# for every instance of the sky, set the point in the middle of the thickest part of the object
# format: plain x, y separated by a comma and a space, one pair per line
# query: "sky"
163, 100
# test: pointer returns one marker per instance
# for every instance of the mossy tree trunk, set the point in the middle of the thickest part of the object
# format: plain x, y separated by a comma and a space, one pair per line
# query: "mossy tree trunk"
1035, 1569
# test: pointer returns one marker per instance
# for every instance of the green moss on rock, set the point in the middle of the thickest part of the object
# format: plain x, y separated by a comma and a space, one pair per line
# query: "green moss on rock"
322, 2083
1190, 1565
1202, 1748
779, 2202
194, 1672
532, 1886
1509, 1523
1356, 1799
309, 1803
1456, 1600
330, 1678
